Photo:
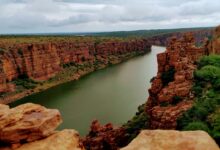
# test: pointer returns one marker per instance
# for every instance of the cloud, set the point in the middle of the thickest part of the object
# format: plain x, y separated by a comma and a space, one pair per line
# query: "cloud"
23, 16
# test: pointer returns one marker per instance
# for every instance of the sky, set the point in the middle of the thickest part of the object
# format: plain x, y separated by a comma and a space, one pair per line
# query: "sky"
53, 16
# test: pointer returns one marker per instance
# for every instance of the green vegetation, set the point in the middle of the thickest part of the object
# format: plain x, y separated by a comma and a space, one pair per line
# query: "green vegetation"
168, 76
176, 100
137, 123
25, 83
143, 33
205, 113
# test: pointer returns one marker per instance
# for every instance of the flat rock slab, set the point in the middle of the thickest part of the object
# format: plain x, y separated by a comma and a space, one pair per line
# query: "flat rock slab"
172, 140
63, 140
27, 122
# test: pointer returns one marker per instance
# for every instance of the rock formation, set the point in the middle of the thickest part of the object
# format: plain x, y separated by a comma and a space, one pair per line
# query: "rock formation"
40, 61
164, 39
172, 140
170, 94
63, 140
31, 126
214, 45
104, 137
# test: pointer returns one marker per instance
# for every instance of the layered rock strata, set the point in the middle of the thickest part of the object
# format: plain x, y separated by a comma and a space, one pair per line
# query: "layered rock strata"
43, 61
170, 94
214, 44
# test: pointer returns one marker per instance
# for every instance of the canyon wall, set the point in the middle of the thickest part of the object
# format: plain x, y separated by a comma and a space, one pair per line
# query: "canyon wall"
214, 44
43, 61
27, 63
170, 94
163, 39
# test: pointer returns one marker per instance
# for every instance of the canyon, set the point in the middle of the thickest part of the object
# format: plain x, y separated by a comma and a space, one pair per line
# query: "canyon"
30, 65
170, 96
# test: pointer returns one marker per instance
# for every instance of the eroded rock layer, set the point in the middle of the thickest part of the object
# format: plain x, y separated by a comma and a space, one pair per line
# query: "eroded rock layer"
44, 60
214, 45
170, 93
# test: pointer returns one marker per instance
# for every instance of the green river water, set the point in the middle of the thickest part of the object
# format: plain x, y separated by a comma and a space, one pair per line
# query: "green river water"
109, 95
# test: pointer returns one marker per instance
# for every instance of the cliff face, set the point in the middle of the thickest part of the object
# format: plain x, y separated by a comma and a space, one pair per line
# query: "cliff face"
27, 62
214, 45
170, 93
42, 61
164, 39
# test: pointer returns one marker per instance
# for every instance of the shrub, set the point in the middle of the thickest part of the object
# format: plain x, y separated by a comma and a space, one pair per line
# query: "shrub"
176, 100
137, 123
216, 84
213, 60
168, 76
20, 52
197, 126
208, 73
26, 83
204, 115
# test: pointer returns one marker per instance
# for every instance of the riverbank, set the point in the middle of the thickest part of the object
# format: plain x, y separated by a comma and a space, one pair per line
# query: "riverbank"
69, 73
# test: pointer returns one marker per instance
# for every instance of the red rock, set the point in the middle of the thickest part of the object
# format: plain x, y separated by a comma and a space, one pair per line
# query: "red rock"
180, 54
104, 137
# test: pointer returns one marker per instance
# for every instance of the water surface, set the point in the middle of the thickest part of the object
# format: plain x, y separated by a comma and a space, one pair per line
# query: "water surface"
109, 95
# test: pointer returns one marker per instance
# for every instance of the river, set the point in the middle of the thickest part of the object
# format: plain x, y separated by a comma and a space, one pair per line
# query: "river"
109, 95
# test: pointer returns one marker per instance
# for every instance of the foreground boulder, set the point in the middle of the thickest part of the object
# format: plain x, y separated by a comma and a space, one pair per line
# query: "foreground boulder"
172, 140
63, 140
26, 123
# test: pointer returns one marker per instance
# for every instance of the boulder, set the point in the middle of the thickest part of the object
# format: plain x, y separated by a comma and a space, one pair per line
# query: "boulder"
62, 140
172, 140
27, 122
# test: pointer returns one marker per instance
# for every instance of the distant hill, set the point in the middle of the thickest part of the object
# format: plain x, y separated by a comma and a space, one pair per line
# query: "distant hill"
145, 33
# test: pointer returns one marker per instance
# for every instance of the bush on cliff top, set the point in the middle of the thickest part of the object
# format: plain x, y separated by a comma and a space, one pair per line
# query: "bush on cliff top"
213, 60
137, 123
205, 113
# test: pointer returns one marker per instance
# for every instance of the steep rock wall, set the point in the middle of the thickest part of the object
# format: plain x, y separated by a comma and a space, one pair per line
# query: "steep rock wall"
42, 61
214, 44
170, 93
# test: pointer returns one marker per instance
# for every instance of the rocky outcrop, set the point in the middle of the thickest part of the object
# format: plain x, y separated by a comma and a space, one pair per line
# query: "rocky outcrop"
170, 94
104, 137
172, 140
63, 140
214, 44
26, 123
31, 126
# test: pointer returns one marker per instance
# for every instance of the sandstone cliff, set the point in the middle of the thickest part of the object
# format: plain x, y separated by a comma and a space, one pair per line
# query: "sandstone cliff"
214, 44
170, 93
32, 64
25, 66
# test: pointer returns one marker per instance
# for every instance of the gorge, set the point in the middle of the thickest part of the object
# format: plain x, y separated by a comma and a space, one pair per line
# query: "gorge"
108, 88
171, 95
